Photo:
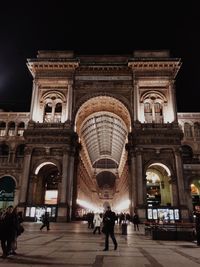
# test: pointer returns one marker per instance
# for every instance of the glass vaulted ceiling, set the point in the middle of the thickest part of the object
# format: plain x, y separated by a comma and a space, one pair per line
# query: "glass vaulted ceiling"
104, 135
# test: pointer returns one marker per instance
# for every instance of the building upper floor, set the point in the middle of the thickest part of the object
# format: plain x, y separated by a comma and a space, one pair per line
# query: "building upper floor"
140, 87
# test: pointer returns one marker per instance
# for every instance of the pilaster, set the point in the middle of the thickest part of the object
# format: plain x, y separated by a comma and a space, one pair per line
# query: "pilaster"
25, 176
180, 181
140, 181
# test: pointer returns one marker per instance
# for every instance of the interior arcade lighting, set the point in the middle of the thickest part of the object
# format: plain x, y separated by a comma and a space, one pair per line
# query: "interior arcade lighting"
123, 206
87, 205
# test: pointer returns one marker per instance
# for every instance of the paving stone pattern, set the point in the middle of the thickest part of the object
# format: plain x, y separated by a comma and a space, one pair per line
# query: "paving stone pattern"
74, 245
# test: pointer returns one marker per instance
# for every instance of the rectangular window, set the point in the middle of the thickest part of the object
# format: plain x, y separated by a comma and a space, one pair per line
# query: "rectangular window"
51, 197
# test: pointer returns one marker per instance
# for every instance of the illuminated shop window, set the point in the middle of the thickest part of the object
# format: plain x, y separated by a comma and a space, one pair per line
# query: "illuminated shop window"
51, 197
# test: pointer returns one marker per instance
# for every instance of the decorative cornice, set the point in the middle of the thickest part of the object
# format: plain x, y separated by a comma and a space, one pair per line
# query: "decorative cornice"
36, 66
147, 65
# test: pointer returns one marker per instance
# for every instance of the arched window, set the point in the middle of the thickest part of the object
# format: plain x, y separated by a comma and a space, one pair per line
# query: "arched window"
20, 129
148, 112
53, 102
58, 108
48, 112
187, 130
11, 128
153, 107
2, 128
196, 129
58, 112
158, 113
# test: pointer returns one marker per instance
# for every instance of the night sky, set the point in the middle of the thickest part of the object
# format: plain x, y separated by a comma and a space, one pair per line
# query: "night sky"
97, 27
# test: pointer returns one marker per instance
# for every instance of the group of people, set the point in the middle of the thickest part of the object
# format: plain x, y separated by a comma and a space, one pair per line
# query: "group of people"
10, 228
103, 223
107, 221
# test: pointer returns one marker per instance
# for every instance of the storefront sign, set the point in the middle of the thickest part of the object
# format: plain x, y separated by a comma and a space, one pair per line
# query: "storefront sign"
6, 196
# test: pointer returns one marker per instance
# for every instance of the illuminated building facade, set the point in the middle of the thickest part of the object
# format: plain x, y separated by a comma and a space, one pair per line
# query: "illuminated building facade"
101, 130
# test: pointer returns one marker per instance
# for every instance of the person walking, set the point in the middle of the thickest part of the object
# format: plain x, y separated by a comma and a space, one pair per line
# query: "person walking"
197, 226
97, 223
108, 226
45, 221
136, 221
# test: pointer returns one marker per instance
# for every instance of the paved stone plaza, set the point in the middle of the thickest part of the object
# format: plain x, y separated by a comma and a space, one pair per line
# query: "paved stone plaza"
73, 244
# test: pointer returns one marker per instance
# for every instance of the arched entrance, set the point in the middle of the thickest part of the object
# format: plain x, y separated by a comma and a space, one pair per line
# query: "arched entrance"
159, 195
44, 191
7, 191
158, 186
102, 124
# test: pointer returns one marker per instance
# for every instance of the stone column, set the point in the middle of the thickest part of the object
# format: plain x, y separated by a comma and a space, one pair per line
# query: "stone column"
34, 102
69, 101
174, 192
62, 210
70, 187
75, 184
180, 180
63, 192
189, 201
25, 176
140, 179
133, 181
136, 95
172, 97
33, 180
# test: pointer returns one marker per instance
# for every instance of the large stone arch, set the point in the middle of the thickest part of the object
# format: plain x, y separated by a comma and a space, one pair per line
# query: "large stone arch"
121, 99
163, 163
46, 176
102, 124
39, 164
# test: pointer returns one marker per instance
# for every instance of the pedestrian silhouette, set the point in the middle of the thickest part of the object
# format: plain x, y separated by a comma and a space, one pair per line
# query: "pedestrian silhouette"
97, 223
45, 221
108, 226
136, 221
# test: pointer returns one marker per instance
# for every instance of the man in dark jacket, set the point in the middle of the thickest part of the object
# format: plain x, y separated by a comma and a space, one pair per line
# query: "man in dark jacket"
8, 228
108, 225
136, 221
45, 221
